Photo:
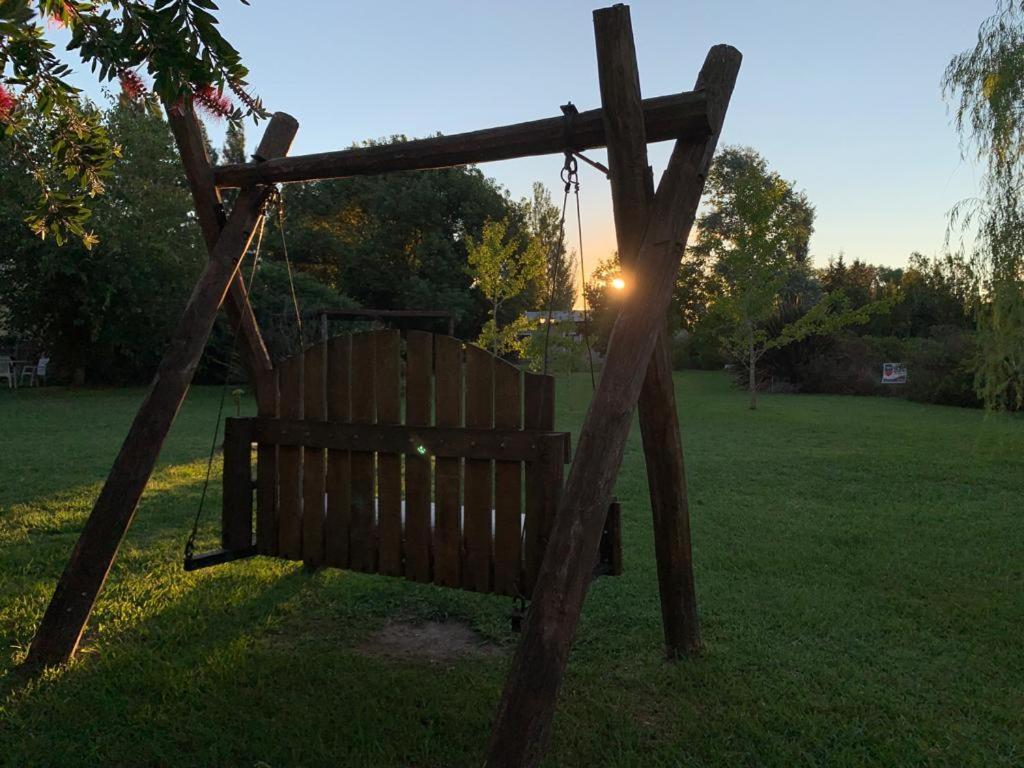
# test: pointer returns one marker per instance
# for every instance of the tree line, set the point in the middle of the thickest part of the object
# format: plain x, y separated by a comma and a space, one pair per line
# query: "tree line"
449, 239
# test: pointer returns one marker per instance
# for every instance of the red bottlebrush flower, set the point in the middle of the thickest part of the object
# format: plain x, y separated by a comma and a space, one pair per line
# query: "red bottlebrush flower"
132, 85
58, 19
7, 102
213, 101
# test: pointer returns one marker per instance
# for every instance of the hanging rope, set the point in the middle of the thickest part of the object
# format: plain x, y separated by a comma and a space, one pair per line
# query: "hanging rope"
288, 265
583, 275
190, 544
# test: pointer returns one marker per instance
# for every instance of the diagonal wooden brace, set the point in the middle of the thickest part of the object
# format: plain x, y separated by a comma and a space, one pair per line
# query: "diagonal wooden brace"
210, 212
527, 704
66, 616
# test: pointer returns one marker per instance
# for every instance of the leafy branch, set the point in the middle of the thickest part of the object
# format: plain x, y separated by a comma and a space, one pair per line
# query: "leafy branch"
175, 43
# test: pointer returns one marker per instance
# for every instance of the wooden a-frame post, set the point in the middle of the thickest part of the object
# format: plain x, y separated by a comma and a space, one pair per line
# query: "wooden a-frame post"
64, 621
632, 189
527, 705
652, 230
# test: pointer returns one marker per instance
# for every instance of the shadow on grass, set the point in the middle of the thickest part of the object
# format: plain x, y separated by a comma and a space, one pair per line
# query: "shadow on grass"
252, 664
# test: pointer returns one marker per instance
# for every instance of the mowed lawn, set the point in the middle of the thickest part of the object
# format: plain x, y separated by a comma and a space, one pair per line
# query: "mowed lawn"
860, 566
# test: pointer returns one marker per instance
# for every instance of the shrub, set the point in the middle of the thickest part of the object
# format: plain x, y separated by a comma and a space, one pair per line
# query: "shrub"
938, 366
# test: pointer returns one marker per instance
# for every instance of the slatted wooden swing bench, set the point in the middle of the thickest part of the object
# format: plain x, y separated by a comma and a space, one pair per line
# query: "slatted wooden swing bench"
320, 440
483, 465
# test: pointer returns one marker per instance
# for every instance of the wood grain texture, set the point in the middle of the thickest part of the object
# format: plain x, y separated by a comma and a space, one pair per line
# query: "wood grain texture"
538, 413
314, 489
362, 534
211, 217
289, 463
632, 193
266, 479
447, 471
508, 480
479, 477
236, 480
441, 442
339, 479
665, 117
389, 465
522, 724
419, 377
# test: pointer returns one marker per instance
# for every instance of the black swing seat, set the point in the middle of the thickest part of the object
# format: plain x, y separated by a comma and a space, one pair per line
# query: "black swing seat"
423, 457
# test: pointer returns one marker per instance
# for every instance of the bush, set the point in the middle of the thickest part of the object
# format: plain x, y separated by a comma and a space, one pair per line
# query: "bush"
938, 366
700, 350
567, 351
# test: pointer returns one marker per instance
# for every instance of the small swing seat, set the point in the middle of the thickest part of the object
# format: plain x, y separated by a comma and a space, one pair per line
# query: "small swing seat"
424, 457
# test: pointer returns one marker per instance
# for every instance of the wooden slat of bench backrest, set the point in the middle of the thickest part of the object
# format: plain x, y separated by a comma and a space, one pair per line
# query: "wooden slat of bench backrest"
339, 479
538, 413
447, 485
236, 510
266, 481
362, 533
479, 477
389, 465
313, 460
289, 469
419, 376
508, 407
340, 434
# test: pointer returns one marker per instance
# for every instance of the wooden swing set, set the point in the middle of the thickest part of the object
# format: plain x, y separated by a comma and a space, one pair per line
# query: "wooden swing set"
332, 434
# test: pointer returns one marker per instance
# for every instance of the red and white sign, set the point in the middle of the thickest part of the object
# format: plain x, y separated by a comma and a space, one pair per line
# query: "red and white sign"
894, 373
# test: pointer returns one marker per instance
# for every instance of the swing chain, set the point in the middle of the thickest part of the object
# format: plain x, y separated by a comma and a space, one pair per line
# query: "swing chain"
570, 173
190, 544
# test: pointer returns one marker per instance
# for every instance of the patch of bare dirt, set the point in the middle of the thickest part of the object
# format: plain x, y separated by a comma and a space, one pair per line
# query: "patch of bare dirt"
433, 641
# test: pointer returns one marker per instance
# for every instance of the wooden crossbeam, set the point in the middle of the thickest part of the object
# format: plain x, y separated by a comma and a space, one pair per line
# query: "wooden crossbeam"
683, 115
445, 442
632, 192
527, 704
69, 609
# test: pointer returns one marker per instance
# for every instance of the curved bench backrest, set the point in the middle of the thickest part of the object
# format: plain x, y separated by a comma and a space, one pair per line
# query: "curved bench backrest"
427, 458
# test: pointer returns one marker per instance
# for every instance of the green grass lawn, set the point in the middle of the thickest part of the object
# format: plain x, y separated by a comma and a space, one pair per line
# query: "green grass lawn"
860, 566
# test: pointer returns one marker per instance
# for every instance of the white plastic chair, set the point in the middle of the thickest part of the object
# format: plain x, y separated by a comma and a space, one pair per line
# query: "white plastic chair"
7, 371
36, 372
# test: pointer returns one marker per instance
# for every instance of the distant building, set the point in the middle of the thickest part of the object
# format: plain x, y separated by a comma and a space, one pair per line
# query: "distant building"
574, 316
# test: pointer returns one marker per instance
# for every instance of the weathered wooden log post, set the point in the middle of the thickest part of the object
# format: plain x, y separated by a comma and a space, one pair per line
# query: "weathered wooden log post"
527, 704
210, 212
632, 192
66, 616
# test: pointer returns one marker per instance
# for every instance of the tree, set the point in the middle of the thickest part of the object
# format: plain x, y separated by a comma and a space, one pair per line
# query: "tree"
986, 86
234, 143
503, 267
604, 299
176, 43
756, 231
102, 312
397, 241
545, 223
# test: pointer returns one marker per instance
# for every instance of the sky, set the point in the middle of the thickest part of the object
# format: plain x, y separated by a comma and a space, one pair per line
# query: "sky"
843, 99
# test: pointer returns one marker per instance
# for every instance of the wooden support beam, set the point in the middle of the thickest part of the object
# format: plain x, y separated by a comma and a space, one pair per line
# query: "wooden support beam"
210, 212
682, 115
436, 442
632, 192
527, 705
65, 618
